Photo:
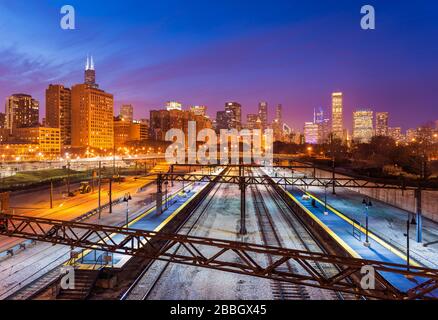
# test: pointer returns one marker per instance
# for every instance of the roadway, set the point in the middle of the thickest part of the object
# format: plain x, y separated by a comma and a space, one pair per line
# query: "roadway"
42, 258
36, 203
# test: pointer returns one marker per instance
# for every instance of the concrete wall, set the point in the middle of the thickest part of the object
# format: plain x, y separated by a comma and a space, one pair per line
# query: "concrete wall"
401, 199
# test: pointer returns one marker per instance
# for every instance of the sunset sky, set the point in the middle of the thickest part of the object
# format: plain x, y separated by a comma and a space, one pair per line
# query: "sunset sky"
207, 52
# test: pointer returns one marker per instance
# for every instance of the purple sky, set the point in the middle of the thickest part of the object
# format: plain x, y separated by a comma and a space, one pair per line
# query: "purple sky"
210, 52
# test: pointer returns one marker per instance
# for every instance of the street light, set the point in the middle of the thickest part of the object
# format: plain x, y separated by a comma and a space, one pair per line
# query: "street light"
126, 199
367, 204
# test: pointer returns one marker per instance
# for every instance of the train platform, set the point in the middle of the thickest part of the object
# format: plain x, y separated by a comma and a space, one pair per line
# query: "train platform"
92, 259
351, 235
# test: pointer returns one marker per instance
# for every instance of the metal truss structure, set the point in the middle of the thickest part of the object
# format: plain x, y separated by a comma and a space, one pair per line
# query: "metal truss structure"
229, 256
281, 180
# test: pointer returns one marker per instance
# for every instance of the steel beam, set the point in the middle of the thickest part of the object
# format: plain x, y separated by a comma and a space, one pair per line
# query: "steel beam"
224, 255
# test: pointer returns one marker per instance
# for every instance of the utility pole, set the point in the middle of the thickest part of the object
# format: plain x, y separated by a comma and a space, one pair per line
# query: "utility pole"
100, 188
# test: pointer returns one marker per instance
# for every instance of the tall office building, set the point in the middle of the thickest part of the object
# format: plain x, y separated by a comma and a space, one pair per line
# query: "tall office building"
90, 73
92, 117
58, 111
263, 114
381, 123
363, 130
337, 115
279, 113
22, 111
234, 113
127, 112
221, 121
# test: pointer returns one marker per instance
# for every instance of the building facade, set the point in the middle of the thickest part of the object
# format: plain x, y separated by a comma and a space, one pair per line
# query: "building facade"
127, 112
337, 115
234, 115
382, 123
363, 130
21, 111
58, 111
92, 117
263, 114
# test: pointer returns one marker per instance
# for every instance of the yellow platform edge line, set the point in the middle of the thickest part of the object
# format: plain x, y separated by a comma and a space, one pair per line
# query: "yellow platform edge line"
370, 234
341, 242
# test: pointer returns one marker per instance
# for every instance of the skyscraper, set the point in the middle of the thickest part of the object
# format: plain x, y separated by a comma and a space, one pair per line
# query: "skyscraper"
234, 111
90, 73
279, 113
263, 114
58, 111
221, 121
363, 126
127, 112
381, 123
337, 115
22, 111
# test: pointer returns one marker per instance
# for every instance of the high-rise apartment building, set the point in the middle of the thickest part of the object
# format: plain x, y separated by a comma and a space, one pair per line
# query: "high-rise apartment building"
22, 111
58, 111
337, 115
382, 123
127, 112
234, 112
92, 117
363, 130
263, 114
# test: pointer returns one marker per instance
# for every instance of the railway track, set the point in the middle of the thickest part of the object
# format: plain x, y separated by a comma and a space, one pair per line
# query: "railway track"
144, 285
280, 290
306, 241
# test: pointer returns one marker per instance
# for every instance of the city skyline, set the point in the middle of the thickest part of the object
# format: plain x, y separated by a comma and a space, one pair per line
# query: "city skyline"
145, 73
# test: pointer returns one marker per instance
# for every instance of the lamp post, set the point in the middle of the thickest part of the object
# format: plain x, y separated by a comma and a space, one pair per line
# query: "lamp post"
126, 199
325, 200
367, 203
408, 252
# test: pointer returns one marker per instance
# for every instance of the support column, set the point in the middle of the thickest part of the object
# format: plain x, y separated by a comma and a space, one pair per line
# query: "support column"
171, 171
419, 216
333, 176
242, 186
159, 203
